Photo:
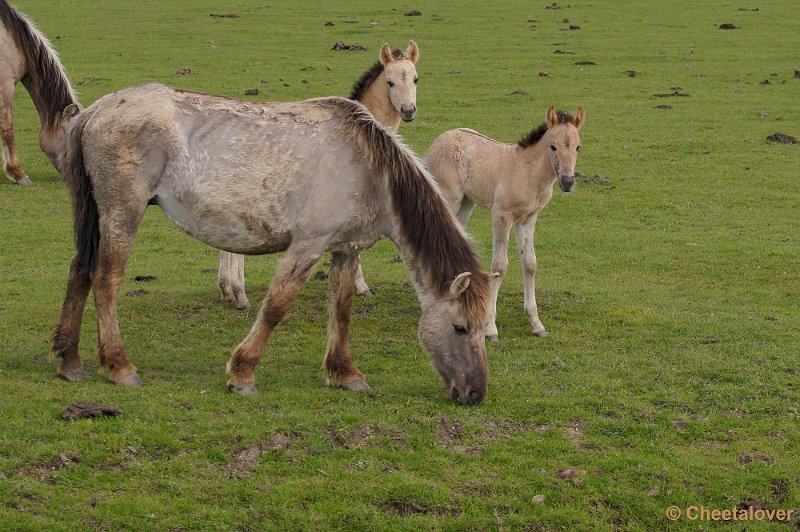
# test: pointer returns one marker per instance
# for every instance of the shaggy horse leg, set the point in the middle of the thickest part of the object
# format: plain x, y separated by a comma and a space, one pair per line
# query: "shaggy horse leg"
293, 271
501, 228
528, 256
107, 282
339, 368
230, 278
362, 288
12, 168
67, 335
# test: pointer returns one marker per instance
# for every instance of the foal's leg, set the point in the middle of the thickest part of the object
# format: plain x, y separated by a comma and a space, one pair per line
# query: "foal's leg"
12, 168
528, 256
293, 271
230, 278
464, 211
501, 228
362, 288
67, 335
339, 368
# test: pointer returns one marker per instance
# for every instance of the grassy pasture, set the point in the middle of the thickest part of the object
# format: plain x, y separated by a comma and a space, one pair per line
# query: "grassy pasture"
668, 282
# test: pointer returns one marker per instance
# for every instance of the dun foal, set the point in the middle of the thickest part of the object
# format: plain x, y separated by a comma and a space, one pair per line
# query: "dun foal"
515, 182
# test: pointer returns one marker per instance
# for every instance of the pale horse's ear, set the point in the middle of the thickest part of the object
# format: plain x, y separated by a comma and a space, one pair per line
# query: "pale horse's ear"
579, 117
70, 112
493, 276
552, 117
412, 52
386, 54
459, 284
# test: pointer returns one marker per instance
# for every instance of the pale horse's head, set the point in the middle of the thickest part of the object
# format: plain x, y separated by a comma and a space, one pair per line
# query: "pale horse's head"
451, 330
401, 78
565, 142
53, 141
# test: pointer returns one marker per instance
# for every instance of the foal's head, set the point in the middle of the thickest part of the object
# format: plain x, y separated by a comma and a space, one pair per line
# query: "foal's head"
564, 143
401, 78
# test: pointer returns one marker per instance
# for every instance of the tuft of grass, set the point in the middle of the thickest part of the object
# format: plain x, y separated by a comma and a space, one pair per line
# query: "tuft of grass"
667, 280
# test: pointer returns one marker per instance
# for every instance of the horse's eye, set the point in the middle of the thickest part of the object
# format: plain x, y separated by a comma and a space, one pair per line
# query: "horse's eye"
578, 148
391, 84
552, 147
416, 80
460, 329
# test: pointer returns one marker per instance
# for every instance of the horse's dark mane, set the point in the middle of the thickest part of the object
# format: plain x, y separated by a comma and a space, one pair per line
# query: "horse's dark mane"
368, 77
437, 244
538, 132
45, 78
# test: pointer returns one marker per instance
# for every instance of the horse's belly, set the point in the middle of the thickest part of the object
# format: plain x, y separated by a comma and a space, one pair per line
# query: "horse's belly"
224, 229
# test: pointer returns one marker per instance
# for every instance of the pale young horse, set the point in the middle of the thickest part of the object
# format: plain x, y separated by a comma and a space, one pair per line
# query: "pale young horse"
515, 182
305, 178
389, 91
27, 56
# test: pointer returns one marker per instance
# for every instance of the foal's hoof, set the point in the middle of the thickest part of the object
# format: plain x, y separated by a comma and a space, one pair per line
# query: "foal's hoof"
243, 389
541, 333
368, 293
356, 386
74, 375
493, 338
131, 379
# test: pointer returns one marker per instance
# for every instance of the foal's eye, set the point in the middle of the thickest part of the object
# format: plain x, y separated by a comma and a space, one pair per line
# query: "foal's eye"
552, 147
391, 84
416, 79
578, 148
460, 329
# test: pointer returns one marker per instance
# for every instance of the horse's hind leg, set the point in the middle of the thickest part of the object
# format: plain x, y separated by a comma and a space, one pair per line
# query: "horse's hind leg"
501, 228
113, 252
12, 168
339, 368
293, 271
362, 288
67, 335
230, 278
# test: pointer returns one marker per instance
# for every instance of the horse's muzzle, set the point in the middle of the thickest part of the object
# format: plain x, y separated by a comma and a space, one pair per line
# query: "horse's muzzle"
467, 397
408, 112
567, 183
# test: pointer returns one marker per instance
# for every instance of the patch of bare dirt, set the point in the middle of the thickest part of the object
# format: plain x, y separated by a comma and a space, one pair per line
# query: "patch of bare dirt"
753, 457
780, 490
414, 13
280, 440
781, 138
574, 431
728, 26
448, 431
676, 92
361, 435
224, 15
243, 461
341, 46
409, 507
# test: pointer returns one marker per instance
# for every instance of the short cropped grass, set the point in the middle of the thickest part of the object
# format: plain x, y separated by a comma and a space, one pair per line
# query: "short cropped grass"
668, 282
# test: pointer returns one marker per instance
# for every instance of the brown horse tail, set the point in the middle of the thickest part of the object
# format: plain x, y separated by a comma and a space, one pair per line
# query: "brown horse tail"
86, 220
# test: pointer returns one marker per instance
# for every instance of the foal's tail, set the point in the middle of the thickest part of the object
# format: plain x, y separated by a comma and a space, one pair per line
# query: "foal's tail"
84, 208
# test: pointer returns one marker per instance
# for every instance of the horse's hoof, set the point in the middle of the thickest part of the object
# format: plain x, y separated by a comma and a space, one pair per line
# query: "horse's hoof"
368, 293
242, 303
493, 338
131, 379
243, 389
540, 333
356, 386
24, 182
74, 375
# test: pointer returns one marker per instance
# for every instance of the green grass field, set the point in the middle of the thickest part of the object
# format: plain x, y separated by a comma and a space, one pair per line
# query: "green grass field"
668, 282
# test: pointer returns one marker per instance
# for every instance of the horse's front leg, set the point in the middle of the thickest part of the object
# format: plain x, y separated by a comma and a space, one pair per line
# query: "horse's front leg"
501, 228
338, 367
230, 277
293, 271
12, 168
528, 257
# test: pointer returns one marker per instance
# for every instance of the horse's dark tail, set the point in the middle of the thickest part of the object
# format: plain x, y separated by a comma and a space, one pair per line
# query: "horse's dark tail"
86, 219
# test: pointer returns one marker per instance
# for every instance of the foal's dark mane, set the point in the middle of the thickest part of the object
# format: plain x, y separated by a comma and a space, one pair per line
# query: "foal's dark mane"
436, 242
538, 132
368, 77
45, 78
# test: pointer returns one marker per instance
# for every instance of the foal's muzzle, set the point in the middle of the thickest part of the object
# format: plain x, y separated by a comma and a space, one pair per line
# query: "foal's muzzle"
467, 397
567, 183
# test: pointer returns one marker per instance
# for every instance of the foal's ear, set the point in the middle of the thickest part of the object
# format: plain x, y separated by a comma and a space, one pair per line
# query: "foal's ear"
579, 117
70, 111
459, 284
552, 117
386, 54
412, 52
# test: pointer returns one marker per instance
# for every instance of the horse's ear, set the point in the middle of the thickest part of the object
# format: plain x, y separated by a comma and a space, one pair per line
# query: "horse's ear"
412, 51
70, 111
386, 54
579, 117
459, 284
552, 117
